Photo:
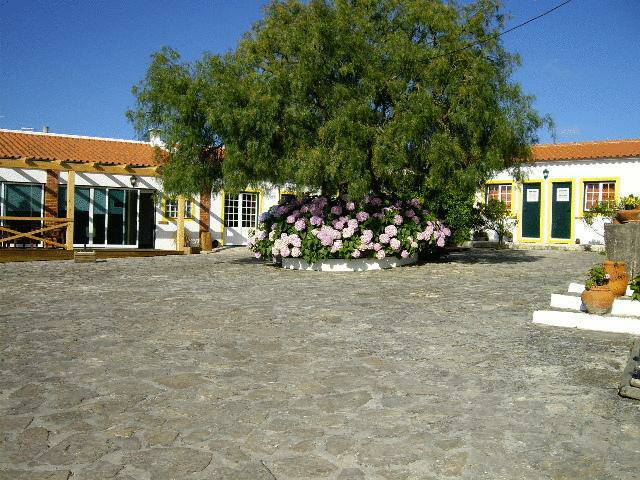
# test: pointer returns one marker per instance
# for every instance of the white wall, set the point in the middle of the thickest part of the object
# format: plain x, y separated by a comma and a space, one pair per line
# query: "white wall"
626, 173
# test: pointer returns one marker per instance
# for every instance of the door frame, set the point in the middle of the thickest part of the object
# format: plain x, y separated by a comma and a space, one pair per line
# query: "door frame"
542, 200
223, 195
549, 212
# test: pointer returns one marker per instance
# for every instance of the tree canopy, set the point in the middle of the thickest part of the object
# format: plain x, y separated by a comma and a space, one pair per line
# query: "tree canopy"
403, 97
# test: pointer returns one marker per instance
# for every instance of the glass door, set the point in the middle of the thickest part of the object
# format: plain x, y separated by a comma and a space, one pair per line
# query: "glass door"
22, 200
240, 215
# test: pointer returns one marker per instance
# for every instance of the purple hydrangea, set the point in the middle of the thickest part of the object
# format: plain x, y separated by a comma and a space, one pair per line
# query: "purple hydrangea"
397, 219
336, 210
295, 240
316, 220
410, 213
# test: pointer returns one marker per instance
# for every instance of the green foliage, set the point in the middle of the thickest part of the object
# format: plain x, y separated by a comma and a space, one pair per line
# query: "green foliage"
635, 288
629, 202
172, 102
496, 216
596, 277
391, 97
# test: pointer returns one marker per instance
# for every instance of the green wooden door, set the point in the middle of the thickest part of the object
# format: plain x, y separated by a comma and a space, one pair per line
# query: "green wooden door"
531, 199
561, 210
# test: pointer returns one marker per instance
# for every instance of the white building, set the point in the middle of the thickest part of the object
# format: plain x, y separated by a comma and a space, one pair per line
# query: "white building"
563, 181
118, 200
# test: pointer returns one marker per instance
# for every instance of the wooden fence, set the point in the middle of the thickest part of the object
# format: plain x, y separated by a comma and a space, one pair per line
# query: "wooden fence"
48, 231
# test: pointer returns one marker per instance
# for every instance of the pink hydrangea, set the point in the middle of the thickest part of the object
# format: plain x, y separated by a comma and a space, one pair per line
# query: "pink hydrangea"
261, 235
404, 254
377, 247
338, 224
337, 245
336, 210
395, 243
257, 255
383, 238
380, 254
351, 206
391, 230
397, 219
316, 220
285, 252
348, 232
366, 236
291, 219
327, 235
296, 252
362, 216
356, 254
440, 242
446, 231
353, 223
376, 201
300, 224
295, 240
410, 213
378, 215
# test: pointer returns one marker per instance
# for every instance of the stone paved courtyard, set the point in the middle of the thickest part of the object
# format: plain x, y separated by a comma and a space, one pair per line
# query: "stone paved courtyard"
220, 367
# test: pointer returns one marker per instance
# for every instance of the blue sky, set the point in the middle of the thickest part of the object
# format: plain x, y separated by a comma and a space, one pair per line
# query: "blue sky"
71, 64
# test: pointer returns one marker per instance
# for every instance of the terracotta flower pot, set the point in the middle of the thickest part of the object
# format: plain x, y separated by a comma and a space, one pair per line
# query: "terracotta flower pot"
598, 299
619, 279
624, 216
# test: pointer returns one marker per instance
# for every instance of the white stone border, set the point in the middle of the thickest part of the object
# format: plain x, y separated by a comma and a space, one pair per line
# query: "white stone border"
621, 306
348, 265
585, 321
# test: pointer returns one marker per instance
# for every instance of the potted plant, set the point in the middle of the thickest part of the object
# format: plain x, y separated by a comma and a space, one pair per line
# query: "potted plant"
618, 277
635, 288
628, 209
597, 296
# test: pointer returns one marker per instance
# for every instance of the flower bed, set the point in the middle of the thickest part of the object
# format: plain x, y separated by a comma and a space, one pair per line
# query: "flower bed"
317, 228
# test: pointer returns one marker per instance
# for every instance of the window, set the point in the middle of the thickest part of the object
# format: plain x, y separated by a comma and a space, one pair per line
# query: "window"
231, 207
597, 192
287, 198
501, 192
171, 209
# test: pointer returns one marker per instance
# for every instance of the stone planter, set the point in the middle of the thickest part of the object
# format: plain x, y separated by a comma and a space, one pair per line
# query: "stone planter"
348, 265
598, 300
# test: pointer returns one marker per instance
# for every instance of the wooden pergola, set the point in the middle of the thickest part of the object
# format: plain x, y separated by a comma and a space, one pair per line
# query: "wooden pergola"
71, 167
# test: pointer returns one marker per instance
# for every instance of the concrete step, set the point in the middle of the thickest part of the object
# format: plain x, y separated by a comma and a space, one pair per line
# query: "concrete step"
621, 306
586, 321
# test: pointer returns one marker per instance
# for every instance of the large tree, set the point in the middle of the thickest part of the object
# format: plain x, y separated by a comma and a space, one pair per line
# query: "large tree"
398, 97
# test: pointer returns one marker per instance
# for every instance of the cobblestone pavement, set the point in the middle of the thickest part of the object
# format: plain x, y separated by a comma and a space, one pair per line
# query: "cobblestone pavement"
220, 367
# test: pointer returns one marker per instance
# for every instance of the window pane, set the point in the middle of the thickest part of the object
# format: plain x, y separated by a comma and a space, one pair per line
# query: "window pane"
115, 213
81, 215
99, 215
231, 210
249, 209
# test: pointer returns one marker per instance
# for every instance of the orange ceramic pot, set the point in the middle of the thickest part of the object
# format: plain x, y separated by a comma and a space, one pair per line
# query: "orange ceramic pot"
598, 300
624, 216
619, 279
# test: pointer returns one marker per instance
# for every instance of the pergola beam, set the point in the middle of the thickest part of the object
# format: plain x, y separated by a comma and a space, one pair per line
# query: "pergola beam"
85, 167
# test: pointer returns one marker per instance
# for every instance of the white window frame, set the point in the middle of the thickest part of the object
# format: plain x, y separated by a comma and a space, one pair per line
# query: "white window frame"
502, 189
600, 185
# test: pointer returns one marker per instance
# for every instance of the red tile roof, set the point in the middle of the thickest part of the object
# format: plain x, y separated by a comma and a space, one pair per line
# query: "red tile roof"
51, 146
587, 150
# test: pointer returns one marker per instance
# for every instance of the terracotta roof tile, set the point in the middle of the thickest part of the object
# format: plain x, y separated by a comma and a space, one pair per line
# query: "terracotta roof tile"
587, 150
50, 146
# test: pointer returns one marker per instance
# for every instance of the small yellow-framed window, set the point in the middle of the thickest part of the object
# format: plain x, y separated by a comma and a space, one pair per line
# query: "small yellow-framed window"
170, 208
501, 192
596, 192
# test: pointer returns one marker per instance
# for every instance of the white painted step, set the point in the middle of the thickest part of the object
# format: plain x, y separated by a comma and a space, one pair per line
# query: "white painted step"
586, 321
579, 288
626, 307
569, 302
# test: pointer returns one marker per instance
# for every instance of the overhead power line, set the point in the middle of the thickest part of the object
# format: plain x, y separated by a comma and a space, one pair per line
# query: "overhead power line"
491, 37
